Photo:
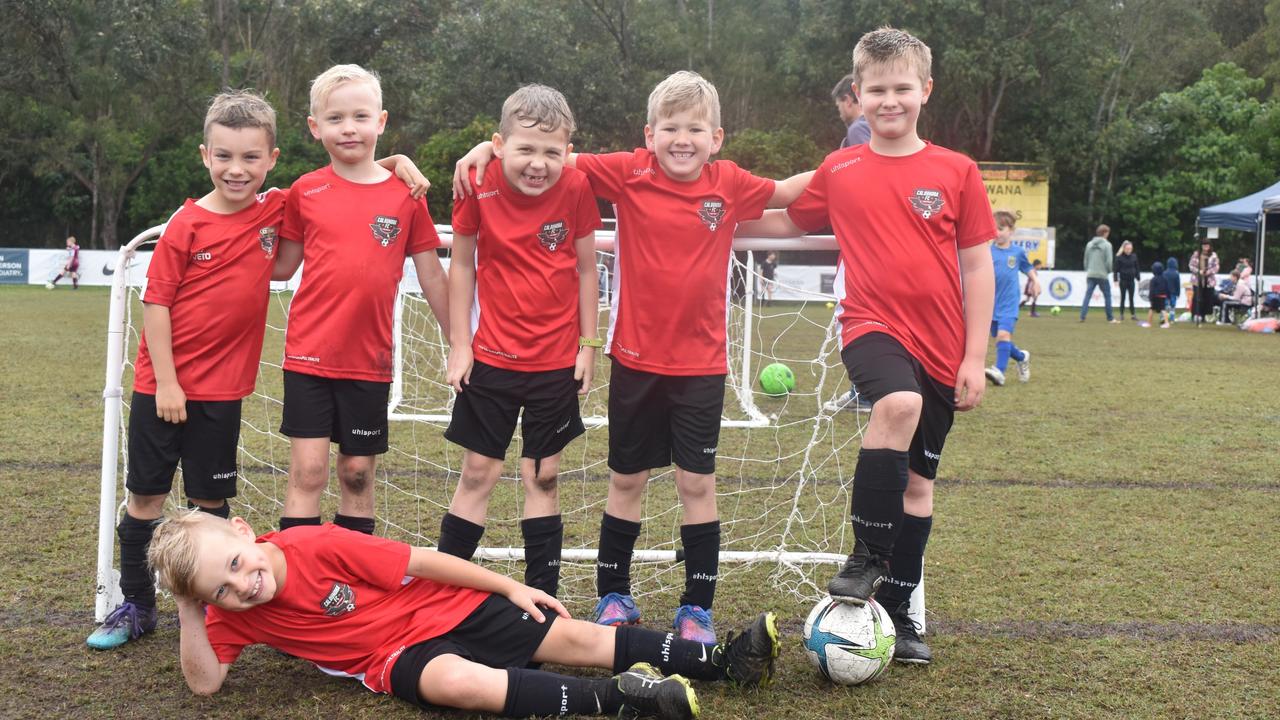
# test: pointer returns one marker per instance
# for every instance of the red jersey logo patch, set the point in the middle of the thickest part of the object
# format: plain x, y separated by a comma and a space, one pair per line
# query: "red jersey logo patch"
553, 234
201, 256
340, 600
927, 202
385, 229
712, 213
267, 239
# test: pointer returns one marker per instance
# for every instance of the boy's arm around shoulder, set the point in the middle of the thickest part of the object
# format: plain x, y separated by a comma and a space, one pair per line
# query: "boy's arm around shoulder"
772, 224
786, 191
435, 286
449, 570
200, 666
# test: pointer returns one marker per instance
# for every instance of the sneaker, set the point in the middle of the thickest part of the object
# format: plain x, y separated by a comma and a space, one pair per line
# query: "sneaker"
616, 609
1133, 318
647, 694
1024, 367
908, 648
1144, 324
48, 286
694, 623
995, 376
848, 401
1165, 326
747, 657
125, 623
858, 579
1113, 321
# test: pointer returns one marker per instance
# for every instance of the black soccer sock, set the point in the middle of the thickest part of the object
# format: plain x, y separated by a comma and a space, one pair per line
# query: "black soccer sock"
907, 564
288, 522
537, 693
223, 511
354, 522
668, 652
136, 580
543, 537
613, 563
701, 563
459, 537
879, 481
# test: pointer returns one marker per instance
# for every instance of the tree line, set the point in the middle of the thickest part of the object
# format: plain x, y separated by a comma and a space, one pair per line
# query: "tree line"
1143, 110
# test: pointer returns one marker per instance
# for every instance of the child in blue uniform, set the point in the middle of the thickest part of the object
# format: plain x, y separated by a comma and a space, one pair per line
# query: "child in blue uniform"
1009, 260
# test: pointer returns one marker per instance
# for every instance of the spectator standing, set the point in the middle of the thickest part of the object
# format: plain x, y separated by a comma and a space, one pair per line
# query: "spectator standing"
1173, 282
1204, 277
1097, 269
1127, 274
857, 131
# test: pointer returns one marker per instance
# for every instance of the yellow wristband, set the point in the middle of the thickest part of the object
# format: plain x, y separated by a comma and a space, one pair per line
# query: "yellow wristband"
590, 342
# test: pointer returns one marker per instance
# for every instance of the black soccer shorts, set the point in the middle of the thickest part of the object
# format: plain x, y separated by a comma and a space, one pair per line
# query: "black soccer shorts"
352, 413
655, 420
485, 412
205, 445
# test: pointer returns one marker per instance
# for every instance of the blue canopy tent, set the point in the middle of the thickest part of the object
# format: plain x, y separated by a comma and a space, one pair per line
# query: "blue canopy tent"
1256, 213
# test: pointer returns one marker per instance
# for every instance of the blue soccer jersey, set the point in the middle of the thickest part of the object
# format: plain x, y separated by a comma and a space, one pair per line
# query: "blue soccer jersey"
1008, 262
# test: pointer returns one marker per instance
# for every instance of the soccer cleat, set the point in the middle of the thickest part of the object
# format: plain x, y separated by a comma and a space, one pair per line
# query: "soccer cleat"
647, 694
1024, 367
125, 623
694, 623
908, 648
616, 609
48, 286
849, 401
995, 376
858, 579
747, 657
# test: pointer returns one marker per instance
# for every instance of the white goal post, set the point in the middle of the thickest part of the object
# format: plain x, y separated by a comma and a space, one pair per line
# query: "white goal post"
784, 468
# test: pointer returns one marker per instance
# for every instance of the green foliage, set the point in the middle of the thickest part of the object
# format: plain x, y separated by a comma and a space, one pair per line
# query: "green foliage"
777, 154
436, 157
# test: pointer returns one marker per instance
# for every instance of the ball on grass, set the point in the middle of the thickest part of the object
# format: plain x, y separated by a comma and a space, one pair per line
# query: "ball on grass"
830, 305
1055, 310
777, 379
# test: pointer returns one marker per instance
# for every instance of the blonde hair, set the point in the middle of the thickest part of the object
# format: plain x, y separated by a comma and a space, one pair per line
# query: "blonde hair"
175, 549
888, 46
237, 109
1004, 218
329, 80
536, 106
683, 91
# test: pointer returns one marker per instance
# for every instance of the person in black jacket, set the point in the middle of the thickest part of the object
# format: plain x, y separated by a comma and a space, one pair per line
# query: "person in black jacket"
1126, 271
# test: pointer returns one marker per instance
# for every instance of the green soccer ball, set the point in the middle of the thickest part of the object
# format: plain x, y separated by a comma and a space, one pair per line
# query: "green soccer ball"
1055, 310
777, 379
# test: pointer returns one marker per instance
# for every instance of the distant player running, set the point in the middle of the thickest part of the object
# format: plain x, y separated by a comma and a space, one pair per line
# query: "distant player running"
70, 267
1008, 260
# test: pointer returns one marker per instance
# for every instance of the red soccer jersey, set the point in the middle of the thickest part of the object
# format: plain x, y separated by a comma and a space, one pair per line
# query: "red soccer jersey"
355, 239
900, 223
346, 606
526, 269
672, 262
213, 272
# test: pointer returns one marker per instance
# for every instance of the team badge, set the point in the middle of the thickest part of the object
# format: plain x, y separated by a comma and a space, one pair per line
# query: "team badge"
385, 229
340, 600
712, 213
267, 239
552, 234
1012, 262
927, 202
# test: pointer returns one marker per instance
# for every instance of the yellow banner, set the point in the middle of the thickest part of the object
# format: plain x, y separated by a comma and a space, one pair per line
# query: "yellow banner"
1023, 189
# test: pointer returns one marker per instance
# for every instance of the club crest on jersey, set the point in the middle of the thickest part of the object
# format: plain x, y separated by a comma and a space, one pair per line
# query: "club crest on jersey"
553, 234
927, 202
712, 213
1012, 262
340, 600
385, 229
267, 239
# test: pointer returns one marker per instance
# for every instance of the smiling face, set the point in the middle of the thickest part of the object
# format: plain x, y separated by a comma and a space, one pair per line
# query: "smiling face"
238, 160
683, 142
232, 571
532, 158
349, 122
891, 95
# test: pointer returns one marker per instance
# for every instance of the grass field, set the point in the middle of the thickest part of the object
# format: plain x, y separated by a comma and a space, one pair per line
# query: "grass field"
1105, 544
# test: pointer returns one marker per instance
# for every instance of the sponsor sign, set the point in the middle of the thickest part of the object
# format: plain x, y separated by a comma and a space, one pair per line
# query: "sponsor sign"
14, 265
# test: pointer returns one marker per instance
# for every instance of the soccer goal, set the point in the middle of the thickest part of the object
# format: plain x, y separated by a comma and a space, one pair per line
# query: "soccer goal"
784, 468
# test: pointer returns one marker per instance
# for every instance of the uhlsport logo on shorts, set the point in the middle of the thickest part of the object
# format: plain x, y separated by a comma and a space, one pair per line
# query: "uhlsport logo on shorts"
712, 213
385, 229
267, 239
1059, 288
553, 234
927, 202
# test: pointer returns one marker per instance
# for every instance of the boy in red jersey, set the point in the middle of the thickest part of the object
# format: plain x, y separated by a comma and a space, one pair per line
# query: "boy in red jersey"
524, 273
204, 314
354, 225
912, 221
667, 331
433, 630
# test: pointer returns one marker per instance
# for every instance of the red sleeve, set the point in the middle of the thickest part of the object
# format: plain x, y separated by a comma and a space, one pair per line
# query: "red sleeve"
607, 173
168, 262
291, 227
378, 561
226, 637
466, 209
810, 211
423, 236
588, 213
975, 224
752, 193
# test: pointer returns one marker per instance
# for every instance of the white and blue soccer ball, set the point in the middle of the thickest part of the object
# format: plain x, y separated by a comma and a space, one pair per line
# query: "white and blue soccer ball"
849, 644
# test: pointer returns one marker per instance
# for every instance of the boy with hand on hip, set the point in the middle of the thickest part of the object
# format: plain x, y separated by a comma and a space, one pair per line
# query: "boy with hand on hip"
523, 285
354, 225
912, 221
428, 627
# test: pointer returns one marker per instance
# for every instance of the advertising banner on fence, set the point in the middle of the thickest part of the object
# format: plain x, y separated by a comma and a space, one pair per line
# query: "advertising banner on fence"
14, 265
1023, 189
